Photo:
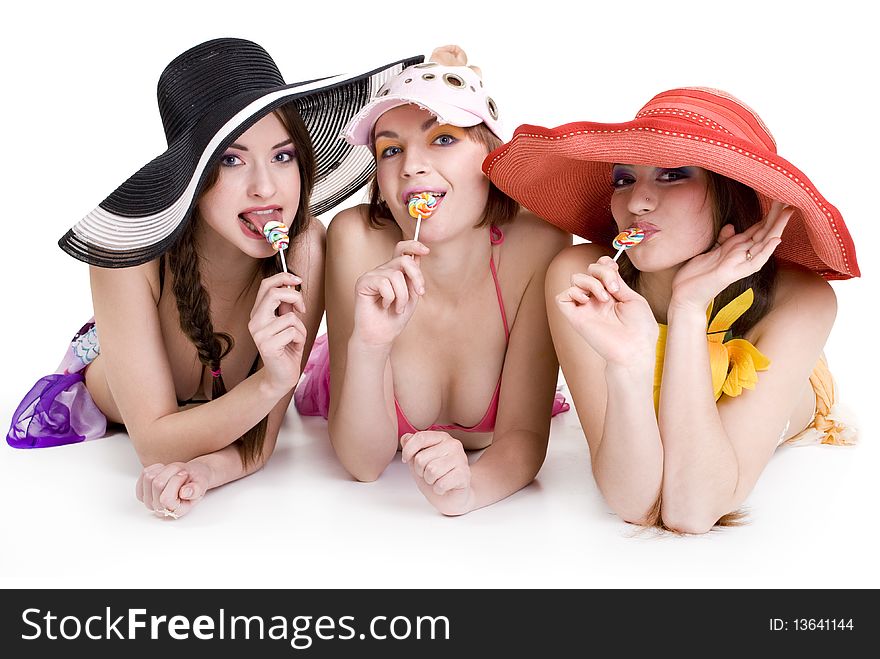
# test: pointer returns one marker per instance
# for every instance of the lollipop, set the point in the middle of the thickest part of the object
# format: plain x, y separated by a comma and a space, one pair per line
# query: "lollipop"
627, 240
421, 206
276, 234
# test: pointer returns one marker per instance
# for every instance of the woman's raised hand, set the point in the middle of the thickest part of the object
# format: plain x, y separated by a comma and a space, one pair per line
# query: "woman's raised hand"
616, 321
386, 296
735, 255
278, 331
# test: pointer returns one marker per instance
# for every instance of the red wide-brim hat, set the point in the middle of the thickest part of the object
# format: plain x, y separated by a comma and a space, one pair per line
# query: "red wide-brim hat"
564, 174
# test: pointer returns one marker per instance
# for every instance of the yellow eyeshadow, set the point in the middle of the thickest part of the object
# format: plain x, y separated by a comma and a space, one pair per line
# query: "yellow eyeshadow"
445, 129
384, 143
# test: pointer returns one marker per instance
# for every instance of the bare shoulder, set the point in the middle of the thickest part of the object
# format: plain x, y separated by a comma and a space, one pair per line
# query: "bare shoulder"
803, 291
316, 233
110, 282
350, 224
348, 219
529, 232
576, 258
532, 242
802, 299
306, 256
353, 244
351, 233
313, 239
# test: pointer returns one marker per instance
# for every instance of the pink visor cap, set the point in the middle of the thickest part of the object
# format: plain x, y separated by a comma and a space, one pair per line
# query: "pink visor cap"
454, 94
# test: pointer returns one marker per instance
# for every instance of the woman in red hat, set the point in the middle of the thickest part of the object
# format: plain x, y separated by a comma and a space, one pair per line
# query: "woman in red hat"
438, 336
700, 350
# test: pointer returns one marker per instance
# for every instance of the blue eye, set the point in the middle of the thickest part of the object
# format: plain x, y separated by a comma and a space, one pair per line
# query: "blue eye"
230, 160
285, 156
390, 151
444, 140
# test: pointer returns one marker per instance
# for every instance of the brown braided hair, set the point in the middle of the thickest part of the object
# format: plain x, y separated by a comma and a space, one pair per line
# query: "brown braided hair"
193, 300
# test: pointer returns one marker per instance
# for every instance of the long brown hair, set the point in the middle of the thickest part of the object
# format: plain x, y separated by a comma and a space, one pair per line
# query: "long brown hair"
499, 207
193, 300
739, 205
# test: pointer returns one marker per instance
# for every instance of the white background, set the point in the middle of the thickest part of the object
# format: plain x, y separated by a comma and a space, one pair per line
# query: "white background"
79, 115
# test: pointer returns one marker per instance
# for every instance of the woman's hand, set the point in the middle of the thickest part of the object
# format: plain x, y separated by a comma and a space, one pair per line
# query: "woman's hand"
616, 321
386, 297
735, 256
440, 468
171, 490
278, 332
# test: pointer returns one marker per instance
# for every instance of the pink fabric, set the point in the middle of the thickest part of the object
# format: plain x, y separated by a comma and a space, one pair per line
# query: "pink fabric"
312, 396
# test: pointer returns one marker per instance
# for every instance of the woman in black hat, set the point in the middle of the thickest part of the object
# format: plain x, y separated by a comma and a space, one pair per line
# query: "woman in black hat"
189, 297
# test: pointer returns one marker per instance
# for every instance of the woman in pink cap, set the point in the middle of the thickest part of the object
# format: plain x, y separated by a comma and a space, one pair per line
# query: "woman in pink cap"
438, 345
699, 351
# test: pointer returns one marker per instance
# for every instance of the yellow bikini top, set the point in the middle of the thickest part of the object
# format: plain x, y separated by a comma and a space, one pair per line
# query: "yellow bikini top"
734, 362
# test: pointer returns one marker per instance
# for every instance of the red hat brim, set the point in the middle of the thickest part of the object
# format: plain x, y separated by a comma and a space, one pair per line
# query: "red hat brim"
563, 175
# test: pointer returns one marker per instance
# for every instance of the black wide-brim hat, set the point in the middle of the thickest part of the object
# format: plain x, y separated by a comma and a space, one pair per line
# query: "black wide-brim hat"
209, 96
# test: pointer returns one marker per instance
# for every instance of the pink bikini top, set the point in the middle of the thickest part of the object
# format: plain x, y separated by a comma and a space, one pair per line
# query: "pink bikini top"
487, 423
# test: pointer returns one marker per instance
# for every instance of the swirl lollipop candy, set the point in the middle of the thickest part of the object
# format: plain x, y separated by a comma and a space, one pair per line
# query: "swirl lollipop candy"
627, 239
276, 234
421, 206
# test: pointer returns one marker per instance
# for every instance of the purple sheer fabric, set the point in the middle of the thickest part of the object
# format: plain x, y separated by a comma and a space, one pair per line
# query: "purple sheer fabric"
58, 409
312, 396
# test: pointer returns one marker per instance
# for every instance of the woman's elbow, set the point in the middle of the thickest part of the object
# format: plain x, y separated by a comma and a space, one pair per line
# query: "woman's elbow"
364, 473
692, 522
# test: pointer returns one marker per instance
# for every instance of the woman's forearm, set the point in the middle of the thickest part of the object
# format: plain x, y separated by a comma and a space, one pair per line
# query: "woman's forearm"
226, 464
701, 469
363, 434
628, 464
208, 427
510, 463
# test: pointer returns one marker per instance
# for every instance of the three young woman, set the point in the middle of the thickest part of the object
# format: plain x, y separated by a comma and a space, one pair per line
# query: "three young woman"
689, 360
